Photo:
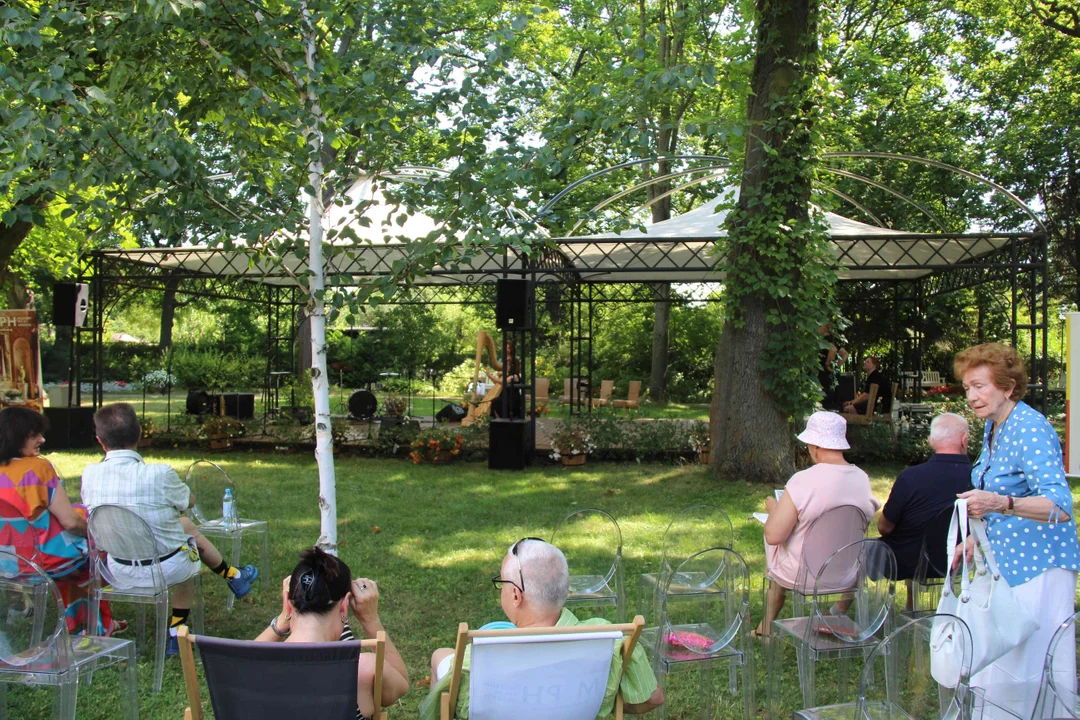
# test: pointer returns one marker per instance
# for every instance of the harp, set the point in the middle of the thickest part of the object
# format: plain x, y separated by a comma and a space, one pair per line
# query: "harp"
481, 406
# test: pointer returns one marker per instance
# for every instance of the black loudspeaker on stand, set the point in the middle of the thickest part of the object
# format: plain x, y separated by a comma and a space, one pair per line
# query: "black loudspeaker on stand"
510, 444
70, 303
514, 298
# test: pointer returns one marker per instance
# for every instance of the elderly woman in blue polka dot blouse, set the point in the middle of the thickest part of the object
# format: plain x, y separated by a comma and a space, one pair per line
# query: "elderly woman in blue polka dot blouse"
1021, 492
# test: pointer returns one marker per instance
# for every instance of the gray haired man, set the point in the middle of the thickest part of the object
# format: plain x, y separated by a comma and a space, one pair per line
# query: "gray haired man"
533, 583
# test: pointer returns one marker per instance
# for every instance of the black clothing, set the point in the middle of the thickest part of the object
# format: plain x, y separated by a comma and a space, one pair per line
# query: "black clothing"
884, 393
918, 495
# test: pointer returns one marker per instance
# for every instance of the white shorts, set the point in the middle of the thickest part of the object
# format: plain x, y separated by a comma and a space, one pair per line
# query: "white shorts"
444, 667
177, 569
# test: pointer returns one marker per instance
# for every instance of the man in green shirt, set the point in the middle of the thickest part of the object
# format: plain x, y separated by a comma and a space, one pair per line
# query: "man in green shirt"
534, 582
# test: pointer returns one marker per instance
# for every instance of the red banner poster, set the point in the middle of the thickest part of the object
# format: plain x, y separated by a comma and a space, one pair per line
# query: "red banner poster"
20, 360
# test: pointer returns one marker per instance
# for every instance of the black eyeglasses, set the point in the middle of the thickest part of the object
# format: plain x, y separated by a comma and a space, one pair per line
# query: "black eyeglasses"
498, 580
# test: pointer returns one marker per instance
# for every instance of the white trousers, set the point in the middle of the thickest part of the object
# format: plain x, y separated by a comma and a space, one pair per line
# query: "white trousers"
1013, 681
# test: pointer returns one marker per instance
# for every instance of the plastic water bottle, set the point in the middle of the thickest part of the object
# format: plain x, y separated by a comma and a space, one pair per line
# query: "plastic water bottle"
228, 510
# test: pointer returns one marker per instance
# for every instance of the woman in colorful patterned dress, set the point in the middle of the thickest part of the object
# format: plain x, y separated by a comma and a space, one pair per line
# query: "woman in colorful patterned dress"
37, 519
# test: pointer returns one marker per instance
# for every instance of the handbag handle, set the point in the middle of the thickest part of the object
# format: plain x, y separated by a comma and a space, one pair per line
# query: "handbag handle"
958, 531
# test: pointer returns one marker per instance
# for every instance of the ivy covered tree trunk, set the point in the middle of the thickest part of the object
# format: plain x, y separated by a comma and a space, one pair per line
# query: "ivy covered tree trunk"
778, 272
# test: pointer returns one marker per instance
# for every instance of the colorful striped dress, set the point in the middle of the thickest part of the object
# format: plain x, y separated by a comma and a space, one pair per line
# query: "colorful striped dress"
27, 486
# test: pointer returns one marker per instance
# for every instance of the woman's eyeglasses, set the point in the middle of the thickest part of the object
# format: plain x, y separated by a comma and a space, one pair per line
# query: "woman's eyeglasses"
498, 580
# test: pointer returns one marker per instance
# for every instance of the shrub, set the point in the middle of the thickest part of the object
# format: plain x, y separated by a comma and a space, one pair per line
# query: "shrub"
432, 441
217, 370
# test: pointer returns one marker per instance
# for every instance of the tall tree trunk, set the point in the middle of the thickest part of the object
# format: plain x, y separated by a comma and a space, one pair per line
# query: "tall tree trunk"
661, 340
324, 444
11, 236
168, 313
751, 437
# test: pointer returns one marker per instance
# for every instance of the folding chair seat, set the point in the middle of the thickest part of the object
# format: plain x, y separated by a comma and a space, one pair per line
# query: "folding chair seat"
538, 673
277, 681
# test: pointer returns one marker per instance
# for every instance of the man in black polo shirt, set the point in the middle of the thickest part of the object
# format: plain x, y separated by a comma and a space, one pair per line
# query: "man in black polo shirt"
923, 491
872, 366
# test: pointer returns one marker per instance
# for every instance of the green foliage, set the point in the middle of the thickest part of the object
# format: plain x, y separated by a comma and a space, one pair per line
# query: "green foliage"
217, 369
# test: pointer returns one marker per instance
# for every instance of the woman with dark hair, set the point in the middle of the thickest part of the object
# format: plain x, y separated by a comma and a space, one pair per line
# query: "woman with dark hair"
37, 518
315, 602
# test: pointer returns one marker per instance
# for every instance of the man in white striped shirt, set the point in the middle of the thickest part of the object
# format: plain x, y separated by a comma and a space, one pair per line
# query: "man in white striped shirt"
156, 494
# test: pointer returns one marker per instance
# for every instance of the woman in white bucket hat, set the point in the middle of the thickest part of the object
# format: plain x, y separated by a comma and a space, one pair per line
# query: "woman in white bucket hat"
829, 483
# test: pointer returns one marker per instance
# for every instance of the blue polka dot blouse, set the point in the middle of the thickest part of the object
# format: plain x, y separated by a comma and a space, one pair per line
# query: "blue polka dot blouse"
1025, 461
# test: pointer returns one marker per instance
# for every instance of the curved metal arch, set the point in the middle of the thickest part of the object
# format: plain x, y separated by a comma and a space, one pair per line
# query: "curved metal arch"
881, 186
621, 166
650, 182
856, 203
944, 166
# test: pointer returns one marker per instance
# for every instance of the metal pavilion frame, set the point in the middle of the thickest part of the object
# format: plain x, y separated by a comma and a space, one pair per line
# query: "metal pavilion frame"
584, 266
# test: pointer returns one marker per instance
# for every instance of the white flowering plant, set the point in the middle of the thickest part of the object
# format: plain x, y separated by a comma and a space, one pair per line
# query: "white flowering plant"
571, 438
158, 380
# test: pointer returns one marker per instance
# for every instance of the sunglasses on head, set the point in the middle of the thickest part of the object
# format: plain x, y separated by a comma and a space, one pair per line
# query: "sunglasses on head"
498, 580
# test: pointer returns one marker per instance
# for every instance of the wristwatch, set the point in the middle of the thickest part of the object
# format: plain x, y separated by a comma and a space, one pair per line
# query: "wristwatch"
1011, 510
279, 633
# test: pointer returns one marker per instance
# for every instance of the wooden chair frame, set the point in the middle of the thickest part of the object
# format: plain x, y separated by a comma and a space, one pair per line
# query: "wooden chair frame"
866, 417
631, 632
606, 388
194, 711
632, 396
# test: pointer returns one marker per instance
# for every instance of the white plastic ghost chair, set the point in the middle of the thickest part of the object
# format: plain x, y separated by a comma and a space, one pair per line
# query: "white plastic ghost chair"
716, 629
896, 681
861, 574
538, 673
208, 482
1059, 691
592, 542
930, 569
55, 660
118, 532
698, 527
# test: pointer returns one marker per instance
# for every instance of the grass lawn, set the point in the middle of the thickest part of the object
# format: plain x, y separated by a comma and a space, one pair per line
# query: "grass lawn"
432, 536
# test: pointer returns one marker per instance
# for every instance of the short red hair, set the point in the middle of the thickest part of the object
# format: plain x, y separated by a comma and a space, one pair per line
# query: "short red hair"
1006, 366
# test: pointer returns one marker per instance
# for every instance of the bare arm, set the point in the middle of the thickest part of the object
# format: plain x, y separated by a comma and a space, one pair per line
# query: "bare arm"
61, 509
884, 525
655, 700
1036, 507
364, 605
284, 620
783, 517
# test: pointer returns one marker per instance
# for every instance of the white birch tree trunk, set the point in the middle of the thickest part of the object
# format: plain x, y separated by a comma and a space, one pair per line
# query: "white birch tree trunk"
324, 443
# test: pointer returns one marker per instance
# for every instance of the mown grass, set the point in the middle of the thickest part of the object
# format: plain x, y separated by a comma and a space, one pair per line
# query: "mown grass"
432, 536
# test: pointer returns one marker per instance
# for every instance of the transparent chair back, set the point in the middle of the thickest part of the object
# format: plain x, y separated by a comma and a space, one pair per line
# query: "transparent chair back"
119, 533
931, 565
208, 482
896, 680
832, 531
35, 648
592, 542
697, 528
122, 534
714, 628
1059, 691
864, 571
32, 629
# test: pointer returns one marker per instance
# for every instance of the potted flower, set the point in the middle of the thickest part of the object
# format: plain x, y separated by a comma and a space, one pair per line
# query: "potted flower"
436, 445
394, 408
700, 441
147, 424
220, 431
571, 443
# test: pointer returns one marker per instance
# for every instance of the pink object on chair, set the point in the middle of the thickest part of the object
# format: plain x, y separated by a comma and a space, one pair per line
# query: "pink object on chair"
696, 645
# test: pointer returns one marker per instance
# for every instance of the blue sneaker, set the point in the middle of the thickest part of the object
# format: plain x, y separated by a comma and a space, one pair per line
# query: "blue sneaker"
172, 645
241, 584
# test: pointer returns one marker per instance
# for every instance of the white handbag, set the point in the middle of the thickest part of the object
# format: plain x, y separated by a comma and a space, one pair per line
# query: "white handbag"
998, 623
